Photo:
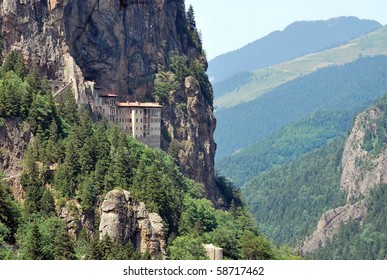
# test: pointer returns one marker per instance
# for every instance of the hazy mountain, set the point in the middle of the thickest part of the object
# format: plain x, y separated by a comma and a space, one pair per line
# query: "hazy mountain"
297, 39
332, 88
246, 86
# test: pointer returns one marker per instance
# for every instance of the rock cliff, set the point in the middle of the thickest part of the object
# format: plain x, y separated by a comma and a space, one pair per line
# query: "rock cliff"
126, 220
121, 46
15, 135
362, 170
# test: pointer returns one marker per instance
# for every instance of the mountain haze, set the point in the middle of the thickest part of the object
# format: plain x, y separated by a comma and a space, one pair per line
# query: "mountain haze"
341, 87
297, 39
246, 86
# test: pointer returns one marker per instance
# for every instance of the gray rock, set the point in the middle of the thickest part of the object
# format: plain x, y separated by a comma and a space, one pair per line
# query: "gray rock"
126, 220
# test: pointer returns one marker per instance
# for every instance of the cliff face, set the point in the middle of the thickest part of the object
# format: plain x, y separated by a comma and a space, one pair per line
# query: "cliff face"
121, 46
15, 135
361, 171
126, 220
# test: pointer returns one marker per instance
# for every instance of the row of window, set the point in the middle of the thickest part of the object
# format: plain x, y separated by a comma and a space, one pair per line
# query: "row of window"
151, 129
127, 120
114, 111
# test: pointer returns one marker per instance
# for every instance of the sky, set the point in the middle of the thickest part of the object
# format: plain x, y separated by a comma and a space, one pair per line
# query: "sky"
228, 25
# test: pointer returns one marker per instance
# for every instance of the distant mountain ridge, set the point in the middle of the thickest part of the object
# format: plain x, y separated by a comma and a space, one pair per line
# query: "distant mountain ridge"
246, 86
351, 85
298, 39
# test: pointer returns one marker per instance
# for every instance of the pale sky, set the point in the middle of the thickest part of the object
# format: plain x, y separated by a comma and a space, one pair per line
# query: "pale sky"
227, 25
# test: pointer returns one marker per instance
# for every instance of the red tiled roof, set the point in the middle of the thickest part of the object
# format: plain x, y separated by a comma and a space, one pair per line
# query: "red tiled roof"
139, 104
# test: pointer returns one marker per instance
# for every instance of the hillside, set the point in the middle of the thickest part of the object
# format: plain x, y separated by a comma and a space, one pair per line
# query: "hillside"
288, 200
342, 87
250, 85
76, 189
75, 185
118, 48
291, 142
300, 38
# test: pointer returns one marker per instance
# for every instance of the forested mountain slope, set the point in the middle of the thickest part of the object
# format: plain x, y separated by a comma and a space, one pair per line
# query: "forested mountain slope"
298, 39
294, 140
288, 201
246, 86
341, 87
73, 189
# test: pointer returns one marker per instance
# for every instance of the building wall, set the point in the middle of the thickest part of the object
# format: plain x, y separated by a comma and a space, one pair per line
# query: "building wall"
142, 122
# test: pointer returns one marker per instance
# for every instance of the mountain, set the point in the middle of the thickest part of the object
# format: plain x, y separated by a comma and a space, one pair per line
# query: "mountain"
293, 203
363, 181
287, 200
75, 184
297, 39
246, 86
341, 87
291, 142
122, 48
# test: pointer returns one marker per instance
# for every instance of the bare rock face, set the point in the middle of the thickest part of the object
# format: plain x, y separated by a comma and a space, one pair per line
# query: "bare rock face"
15, 135
126, 220
121, 46
361, 172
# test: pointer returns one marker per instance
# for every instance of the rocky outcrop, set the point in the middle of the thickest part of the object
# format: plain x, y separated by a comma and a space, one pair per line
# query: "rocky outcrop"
121, 46
76, 220
361, 172
15, 135
126, 220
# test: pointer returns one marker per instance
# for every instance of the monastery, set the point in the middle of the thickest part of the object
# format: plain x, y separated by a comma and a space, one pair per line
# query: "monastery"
141, 120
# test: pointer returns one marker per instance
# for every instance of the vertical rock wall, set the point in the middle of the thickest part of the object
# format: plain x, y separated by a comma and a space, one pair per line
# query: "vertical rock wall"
120, 45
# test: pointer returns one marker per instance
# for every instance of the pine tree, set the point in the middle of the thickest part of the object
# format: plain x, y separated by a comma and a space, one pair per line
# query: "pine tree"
9, 212
35, 246
15, 62
64, 246
193, 33
68, 108
30, 180
47, 203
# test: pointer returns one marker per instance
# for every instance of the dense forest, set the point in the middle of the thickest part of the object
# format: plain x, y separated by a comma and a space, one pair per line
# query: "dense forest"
365, 239
288, 200
344, 87
73, 162
291, 142
270, 50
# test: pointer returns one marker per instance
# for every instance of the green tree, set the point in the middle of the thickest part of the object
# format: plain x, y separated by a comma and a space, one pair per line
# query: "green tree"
64, 246
32, 184
15, 62
35, 245
199, 213
47, 203
42, 113
193, 33
187, 247
9, 213
68, 108
255, 247
87, 193
13, 95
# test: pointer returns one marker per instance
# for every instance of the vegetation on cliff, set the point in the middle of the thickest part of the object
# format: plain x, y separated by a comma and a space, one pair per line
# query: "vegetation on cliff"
73, 162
